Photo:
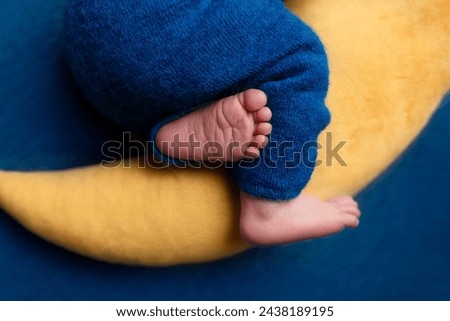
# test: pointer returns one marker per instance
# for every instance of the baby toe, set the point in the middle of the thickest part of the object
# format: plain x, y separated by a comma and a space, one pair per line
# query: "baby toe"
263, 115
344, 200
263, 129
353, 210
350, 221
260, 141
252, 153
254, 99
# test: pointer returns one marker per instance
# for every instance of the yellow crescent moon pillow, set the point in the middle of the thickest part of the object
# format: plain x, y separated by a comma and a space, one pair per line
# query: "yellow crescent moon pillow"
390, 66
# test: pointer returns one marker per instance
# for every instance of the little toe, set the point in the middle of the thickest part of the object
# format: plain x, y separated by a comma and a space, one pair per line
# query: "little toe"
263, 129
252, 153
263, 115
254, 99
260, 141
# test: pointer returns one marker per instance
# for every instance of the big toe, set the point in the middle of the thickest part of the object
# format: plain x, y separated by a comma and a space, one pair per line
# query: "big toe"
344, 200
254, 100
346, 204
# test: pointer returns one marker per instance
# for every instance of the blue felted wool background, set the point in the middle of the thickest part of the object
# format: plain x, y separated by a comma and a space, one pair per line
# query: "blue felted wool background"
401, 251
69, 136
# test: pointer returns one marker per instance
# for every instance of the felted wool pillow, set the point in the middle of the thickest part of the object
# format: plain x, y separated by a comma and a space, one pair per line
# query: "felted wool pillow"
389, 67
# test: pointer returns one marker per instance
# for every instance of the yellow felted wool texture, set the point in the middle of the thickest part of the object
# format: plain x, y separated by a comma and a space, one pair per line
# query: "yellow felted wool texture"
390, 66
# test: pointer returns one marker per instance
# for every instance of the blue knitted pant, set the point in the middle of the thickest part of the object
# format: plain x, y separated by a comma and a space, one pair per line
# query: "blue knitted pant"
144, 62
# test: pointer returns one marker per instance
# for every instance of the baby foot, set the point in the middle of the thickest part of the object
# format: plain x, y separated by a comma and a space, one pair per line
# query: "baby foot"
228, 130
266, 222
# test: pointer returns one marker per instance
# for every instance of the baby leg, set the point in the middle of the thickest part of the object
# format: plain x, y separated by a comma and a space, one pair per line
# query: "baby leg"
238, 119
272, 211
262, 221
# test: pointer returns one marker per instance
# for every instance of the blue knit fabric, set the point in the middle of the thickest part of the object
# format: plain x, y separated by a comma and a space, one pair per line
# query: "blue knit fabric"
141, 62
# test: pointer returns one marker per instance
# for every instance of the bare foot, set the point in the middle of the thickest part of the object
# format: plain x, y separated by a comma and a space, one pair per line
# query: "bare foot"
265, 222
228, 130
